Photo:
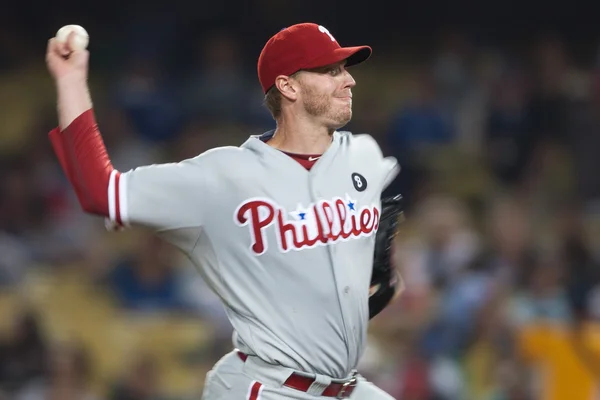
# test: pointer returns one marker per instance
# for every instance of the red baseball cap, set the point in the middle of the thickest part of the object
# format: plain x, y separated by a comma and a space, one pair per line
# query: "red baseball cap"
303, 46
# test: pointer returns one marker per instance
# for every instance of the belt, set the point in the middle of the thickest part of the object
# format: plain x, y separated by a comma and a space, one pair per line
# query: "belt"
303, 383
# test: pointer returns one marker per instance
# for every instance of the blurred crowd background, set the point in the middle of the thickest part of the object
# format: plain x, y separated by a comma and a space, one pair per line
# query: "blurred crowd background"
493, 111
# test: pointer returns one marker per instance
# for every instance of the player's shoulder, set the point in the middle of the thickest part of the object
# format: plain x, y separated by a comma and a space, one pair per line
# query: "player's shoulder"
360, 141
220, 155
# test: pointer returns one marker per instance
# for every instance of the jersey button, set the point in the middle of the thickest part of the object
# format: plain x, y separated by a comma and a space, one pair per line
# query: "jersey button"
347, 289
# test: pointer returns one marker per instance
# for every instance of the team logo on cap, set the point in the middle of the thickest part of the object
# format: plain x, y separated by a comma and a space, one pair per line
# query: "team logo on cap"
325, 31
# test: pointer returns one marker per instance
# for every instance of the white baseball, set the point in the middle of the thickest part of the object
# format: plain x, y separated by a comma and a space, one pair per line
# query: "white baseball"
80, 40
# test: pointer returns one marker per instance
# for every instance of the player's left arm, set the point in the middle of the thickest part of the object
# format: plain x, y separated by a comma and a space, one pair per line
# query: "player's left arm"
386, 281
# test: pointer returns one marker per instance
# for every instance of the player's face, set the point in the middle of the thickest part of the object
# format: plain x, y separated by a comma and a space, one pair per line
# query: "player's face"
326, 93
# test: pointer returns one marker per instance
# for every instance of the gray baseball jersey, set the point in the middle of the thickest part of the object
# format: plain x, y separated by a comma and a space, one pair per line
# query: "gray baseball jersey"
288, 251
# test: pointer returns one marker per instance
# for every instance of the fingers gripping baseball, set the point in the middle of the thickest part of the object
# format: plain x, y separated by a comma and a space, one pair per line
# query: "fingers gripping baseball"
67, 58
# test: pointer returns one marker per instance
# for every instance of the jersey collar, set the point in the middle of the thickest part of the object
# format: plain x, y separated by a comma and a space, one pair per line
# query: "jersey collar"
257, 144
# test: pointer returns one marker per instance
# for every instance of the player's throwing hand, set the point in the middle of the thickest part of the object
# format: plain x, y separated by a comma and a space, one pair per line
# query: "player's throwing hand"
64, 62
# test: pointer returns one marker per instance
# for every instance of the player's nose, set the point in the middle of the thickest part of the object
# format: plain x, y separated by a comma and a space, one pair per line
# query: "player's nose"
349, 80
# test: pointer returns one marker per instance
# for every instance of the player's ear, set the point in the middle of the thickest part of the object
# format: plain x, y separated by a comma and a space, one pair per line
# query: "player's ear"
287, 86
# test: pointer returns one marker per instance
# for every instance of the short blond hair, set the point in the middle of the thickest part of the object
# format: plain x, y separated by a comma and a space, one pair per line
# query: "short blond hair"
273, 102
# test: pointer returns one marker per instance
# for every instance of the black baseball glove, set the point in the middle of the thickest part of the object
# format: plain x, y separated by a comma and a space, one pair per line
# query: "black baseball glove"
385, 280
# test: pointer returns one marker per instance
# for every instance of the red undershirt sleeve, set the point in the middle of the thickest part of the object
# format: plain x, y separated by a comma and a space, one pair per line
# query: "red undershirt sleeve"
84, 159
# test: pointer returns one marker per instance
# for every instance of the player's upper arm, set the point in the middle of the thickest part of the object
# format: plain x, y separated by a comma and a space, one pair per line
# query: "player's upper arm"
161, 196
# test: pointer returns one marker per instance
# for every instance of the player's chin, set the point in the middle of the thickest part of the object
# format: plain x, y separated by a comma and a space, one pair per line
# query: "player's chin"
339, 122
345, 117
339, 118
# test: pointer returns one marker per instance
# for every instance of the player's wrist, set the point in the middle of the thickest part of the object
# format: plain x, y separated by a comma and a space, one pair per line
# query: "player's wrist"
71, 80
73, 98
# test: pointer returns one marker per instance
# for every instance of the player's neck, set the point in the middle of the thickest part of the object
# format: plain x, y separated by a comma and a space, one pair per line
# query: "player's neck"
301, 138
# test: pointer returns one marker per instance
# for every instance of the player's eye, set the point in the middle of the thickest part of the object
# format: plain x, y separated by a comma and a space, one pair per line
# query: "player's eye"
333, 71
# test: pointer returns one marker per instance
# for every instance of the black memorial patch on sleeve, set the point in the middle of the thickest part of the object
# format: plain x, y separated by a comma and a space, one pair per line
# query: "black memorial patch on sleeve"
359, 182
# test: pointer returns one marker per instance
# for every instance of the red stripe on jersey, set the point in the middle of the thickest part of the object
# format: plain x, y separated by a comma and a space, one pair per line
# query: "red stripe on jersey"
255, 391
117, 198
83, 157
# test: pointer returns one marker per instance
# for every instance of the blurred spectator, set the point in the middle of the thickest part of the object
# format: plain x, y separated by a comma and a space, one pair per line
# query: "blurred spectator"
140, 382
582, 270
147, 280
549, 105
16, 259
451, 68
67, 377
584, 144
23, 353
461, 74
508, 141
22, 211
458, 307
445, 379
127, 148
449, 242
510, 248
219, 89
414, 378
421, 122
548, 109
491, 367
22, 205
414, 129
149, 99
543, 297
445, 257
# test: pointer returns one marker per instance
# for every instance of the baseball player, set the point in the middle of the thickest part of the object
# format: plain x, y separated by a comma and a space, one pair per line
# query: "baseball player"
288, 229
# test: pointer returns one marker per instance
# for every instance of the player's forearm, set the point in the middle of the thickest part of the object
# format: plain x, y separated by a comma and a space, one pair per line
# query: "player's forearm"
73, 99
83, 156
